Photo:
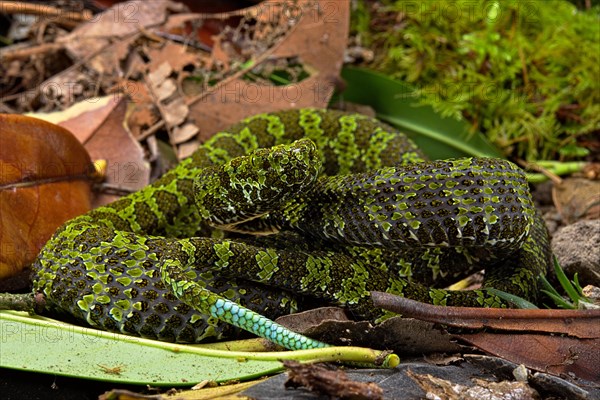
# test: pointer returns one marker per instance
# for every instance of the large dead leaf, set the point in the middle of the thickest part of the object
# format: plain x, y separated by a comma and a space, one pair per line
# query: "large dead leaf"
117, 28
208, 82
555, 341
438, 388
82, 119
318, 41
99, 125
127, 170
558, 355
44, 181
405, 336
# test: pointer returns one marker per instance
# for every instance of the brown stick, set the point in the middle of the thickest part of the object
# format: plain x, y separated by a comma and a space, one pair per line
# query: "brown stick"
11, 54
17, 7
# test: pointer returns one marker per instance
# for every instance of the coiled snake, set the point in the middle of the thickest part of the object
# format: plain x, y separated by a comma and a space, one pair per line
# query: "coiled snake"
355, 206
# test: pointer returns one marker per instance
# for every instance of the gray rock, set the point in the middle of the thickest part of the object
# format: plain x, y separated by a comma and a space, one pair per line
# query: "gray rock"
577, 248
403, 382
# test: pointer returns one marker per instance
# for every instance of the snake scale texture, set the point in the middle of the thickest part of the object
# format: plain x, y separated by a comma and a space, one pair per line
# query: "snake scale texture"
287, 210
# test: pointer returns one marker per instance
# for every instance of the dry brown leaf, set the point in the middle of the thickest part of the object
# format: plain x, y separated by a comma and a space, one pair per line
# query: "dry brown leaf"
127, 169
305, 320
165, 90
318, 40
439, 388
45, 181
120, 21
100, 126
557, 355
176, 55
184, 133
82, 119
555, 341
158, 75
175, 112
187, 149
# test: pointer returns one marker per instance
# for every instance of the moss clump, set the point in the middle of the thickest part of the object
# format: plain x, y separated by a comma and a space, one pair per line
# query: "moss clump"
526, 73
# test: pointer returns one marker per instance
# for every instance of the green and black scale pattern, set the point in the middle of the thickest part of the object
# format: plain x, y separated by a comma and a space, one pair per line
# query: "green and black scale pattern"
355, 208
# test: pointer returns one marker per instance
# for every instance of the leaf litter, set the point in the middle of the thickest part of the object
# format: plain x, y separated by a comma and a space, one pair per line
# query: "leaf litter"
171, 77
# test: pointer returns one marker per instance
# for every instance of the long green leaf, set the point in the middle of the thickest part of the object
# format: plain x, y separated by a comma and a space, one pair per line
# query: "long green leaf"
40, 344
393, 101
558, 300
43, 345
565, 282
519, 302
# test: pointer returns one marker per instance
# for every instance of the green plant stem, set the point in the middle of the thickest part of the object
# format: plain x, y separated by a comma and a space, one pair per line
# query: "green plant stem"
328, 354
253, 345
555, 167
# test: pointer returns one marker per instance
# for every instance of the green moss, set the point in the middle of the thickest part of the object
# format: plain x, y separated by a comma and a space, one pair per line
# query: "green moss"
524, 73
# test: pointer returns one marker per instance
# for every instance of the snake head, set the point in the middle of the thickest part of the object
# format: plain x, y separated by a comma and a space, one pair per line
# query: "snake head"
290, 167
250, 186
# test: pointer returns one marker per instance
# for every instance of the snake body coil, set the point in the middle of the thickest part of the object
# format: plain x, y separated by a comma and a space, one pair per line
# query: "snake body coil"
356, 208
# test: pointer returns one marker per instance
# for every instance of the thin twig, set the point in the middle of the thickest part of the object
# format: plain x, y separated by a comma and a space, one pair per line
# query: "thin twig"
73, 67
18, 7
11, 53
150, 131
536, 167
238, 74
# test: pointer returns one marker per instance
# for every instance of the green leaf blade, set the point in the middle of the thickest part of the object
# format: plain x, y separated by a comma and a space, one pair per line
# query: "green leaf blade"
395, 103
58, 348
43, 345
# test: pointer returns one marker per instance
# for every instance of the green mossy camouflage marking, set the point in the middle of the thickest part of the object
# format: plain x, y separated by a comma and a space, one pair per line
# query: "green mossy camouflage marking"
356, 207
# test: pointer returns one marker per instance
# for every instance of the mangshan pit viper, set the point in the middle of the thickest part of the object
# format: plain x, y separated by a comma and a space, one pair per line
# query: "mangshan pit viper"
285, 209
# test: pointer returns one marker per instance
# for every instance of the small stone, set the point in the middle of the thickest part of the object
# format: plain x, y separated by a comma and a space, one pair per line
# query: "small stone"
520, 373
576, 248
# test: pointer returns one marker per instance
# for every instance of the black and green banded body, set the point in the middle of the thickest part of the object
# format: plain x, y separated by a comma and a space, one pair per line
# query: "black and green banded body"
352, 206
